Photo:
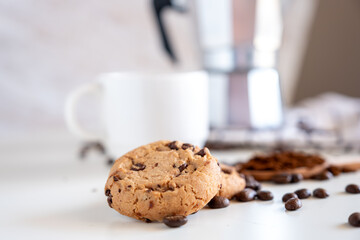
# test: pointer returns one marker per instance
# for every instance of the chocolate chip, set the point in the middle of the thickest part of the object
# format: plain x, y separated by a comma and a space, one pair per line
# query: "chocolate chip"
187, 145
129, 186
156, 164
287, 196
147, 220
246, 195
201, 152
320, 193
109, 200
138, 167
218, 202
296, 177
116, 178
151, 204
281, 178
107, 192
119, 190
173, 146
347, 169
252, 183
326, 175
303, 193
352, 188
225, 170
354, 219
182, 167
175, 221
265, 195
293, 204
336, 171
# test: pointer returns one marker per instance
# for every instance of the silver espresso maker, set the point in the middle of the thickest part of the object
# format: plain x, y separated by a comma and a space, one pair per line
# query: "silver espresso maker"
238, 42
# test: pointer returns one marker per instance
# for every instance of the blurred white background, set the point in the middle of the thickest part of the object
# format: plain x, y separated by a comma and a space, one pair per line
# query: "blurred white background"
47, 48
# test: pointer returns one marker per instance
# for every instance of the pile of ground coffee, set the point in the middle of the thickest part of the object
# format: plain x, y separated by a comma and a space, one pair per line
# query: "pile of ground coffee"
282, 161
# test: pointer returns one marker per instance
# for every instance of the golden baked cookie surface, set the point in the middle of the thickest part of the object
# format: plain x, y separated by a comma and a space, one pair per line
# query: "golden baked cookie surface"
162, 179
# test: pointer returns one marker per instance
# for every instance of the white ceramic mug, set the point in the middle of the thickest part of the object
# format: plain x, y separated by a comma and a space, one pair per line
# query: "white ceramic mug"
141, 108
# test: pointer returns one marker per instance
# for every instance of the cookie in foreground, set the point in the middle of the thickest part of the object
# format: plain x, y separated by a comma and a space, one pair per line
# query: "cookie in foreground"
163, 179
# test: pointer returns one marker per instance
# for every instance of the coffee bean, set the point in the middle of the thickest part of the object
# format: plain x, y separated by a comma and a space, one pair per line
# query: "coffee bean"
326, 175
336, 171
352, 188
303, 193
354, 219
218, 202
252, 183
246, 195
107, 192
265, 195
187, 145
109, 200
282, 178
173, 146
182, 167
287, 196
138, 167
110, 161
296, 177
201, 152
293, 204
175, 221
320, 193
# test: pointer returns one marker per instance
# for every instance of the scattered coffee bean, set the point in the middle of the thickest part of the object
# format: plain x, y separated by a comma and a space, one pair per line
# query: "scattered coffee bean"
287, 196
219, 202
354, 219
138, 167
187, 145
326, 175
246, 195
293, 204
296, 177
281, 178
182, 167
336, 171
303, 193
352, 188
265, 195
107, 192
110, 161
252, 183
320, 193
175, 221
201, 152
173, 146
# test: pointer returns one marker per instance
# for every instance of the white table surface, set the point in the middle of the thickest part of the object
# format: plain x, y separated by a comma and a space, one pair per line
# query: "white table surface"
47, 193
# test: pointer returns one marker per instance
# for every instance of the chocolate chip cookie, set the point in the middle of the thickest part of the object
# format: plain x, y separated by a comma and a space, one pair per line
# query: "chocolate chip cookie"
231, 182
163, 179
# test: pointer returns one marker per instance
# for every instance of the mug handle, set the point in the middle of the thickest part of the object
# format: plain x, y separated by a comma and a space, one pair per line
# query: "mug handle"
71, 107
